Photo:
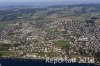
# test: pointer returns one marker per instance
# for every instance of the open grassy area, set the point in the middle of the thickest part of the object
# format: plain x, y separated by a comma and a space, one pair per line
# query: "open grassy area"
63, 44
3, 23
4, 50
6, 53
4, 47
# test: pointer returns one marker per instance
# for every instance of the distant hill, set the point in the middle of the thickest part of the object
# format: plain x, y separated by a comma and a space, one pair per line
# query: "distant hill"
47, 4
85, 5
76, 5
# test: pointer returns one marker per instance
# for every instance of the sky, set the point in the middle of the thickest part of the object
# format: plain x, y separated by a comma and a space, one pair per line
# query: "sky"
31, 0
49, 0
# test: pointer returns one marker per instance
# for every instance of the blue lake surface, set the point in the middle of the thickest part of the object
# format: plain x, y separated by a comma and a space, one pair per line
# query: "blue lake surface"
30, 62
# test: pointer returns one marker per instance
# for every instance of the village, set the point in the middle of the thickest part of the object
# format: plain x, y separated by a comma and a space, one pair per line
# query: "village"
63, 37
49, 33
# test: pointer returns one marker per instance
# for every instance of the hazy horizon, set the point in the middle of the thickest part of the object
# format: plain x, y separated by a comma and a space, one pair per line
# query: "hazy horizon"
45, 2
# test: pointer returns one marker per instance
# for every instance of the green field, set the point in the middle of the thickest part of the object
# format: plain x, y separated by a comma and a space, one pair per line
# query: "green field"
63, 44
3, 24
6, 53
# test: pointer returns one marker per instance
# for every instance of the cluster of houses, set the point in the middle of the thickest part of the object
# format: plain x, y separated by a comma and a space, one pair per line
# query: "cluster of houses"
38, 42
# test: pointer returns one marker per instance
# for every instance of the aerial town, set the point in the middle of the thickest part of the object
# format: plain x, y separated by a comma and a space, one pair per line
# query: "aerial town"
53, 32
